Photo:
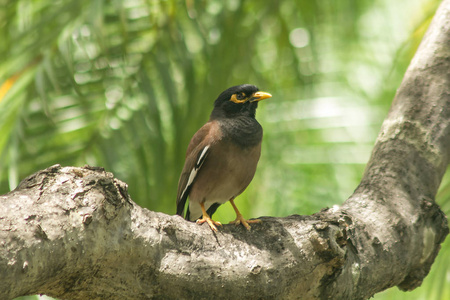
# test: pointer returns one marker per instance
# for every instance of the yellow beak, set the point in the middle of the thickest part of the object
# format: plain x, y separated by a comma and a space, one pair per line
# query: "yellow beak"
258, 96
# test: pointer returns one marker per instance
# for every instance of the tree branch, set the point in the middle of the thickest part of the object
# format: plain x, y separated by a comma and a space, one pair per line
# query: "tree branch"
74, 233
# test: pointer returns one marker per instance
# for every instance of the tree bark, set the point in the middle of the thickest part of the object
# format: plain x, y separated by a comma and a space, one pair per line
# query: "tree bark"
74, 233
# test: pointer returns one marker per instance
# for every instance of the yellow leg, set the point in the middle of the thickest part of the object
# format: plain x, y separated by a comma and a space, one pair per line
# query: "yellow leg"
206, 218
240, 219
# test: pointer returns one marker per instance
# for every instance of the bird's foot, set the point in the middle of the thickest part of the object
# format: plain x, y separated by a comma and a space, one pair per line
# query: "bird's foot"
210, 222
240, 220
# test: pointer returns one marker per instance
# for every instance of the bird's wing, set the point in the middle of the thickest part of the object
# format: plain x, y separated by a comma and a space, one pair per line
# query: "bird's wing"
197, 151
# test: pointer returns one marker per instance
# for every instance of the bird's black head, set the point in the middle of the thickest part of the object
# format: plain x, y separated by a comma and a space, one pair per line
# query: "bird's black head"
239, 100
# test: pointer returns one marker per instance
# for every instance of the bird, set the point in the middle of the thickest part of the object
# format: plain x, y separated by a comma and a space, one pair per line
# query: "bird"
222, 156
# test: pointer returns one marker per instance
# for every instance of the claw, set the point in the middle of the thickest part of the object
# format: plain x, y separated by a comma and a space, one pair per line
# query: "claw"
210, 222
240, 219
206, 218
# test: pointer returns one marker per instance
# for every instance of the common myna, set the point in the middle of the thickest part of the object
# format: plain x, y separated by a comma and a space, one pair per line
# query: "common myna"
222, 156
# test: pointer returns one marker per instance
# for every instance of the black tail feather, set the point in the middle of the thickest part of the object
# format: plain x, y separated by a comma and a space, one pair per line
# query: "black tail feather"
210, 211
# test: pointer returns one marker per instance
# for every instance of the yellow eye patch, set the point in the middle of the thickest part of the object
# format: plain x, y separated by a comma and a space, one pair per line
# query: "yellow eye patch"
238, 98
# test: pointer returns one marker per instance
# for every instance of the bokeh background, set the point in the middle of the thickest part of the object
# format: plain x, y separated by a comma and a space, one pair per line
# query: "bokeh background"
125, 84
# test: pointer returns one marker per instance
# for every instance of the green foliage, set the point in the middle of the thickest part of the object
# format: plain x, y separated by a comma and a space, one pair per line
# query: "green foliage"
125, 84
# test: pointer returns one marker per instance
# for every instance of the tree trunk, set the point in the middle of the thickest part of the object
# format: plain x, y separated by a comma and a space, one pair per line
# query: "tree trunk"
74, 233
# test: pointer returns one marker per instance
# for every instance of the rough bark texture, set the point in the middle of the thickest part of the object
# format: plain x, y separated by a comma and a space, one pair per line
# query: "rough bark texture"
74, 233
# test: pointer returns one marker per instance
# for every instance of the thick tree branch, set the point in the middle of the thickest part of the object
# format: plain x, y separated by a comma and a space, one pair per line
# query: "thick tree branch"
74, 233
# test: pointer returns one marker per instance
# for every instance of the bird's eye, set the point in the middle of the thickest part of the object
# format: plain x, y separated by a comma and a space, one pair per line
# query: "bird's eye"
240, 96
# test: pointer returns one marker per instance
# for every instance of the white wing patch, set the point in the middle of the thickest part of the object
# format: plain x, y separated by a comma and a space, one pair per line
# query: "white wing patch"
194, 171
201, 158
